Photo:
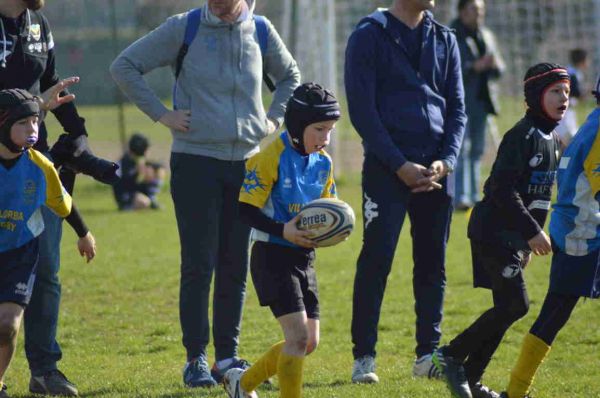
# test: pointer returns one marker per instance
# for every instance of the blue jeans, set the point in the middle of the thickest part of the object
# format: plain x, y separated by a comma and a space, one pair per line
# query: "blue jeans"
386, 201
41, 316
468, 167
205, 193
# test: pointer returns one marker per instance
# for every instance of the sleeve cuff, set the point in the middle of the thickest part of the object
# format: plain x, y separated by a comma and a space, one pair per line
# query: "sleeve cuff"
397, 162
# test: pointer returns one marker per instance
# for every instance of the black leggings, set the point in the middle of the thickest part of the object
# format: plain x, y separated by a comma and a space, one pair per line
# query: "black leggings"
555, 313
476, 344
479, 341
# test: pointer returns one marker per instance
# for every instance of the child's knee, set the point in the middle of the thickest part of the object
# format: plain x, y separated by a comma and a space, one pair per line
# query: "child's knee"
9, 326
299, 340
312, 344
517, 309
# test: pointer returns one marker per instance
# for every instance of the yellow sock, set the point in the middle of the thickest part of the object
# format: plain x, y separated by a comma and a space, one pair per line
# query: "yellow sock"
262, 369
289, 372
533, 352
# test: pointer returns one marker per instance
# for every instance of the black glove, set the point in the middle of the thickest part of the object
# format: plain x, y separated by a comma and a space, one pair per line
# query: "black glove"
75, 154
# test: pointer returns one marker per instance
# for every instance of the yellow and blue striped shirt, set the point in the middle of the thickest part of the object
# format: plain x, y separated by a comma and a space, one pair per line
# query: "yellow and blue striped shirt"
280, 181
575, 222
24, 188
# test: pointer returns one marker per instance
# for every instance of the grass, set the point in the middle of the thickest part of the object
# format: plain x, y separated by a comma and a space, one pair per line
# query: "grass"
120, 327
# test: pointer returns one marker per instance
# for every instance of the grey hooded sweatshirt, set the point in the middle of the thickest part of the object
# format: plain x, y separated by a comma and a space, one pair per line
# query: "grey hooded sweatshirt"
220, 82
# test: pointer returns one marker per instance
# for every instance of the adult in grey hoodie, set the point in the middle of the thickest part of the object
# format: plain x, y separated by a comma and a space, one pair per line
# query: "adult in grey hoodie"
217, 123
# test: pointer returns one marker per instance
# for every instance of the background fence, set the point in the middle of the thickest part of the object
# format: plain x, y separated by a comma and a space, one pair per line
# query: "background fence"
89, 33
528, 31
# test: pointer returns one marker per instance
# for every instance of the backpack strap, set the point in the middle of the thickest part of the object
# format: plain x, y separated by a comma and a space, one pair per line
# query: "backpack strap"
262, 31
191, 29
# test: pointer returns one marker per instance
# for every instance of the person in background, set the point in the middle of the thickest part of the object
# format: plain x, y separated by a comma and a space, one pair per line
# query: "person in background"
567, 127
141, 179
482, 66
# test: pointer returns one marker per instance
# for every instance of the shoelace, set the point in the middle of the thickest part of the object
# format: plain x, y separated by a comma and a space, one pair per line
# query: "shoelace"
366, 365
202, 366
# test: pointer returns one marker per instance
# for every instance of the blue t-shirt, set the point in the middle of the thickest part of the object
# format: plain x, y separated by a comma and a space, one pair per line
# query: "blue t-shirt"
31, 183
412, 39
280, 181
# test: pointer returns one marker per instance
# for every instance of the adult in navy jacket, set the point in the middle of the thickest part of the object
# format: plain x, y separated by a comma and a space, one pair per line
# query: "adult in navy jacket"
405, 97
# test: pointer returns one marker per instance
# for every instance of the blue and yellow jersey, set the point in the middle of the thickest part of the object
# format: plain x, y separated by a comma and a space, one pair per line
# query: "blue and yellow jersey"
24, 188
575, 221
280, 181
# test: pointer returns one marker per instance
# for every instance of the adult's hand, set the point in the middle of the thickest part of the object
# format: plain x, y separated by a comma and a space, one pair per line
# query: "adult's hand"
51, 99
417, 177
178, 120
540, 244
438, 170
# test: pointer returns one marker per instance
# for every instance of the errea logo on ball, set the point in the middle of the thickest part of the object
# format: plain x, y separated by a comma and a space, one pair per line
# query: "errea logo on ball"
313, 221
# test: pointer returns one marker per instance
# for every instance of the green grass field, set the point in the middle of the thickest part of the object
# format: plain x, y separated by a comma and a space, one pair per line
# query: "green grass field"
120, 327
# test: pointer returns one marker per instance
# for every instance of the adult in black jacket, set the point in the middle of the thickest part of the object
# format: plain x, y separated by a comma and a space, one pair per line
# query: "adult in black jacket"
27, 61
481, 65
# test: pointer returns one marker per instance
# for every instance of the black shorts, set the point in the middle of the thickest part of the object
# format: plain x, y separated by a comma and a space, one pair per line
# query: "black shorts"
495, 266
17, 273
285, 279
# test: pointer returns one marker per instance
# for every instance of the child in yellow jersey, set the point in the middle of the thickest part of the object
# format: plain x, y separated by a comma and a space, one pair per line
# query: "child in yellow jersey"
27, 181
292, 171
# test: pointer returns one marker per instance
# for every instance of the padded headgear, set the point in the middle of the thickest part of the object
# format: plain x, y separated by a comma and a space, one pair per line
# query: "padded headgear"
15, 104
537, 80
309, 104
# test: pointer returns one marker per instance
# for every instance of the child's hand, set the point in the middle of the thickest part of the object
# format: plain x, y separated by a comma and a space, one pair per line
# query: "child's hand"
87, 246
296, 236
540, 244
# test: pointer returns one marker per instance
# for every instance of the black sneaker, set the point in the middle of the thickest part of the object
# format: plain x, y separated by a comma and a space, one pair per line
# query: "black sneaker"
53, 383
454, 375
3, 393
478, 390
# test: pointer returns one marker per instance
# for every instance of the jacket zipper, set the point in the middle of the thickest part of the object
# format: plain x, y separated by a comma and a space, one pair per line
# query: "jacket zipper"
234, 77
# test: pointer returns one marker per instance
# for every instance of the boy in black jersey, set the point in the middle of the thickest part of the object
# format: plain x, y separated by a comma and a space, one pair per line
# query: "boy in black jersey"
507, 226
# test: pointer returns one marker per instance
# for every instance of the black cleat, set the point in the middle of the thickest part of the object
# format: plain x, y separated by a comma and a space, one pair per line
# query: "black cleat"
454, 375
478, 390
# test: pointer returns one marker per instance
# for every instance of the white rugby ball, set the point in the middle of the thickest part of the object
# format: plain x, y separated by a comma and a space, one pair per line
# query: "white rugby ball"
330, 220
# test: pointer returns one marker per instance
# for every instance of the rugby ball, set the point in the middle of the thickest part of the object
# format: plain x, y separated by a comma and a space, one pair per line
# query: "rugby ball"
329, 220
